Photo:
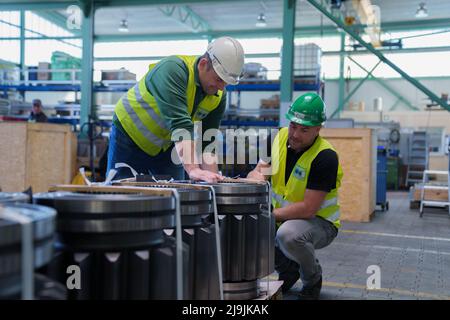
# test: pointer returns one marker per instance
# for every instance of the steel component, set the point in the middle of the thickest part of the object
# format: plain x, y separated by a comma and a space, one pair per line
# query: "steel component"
13, 197
42, 232
245, 290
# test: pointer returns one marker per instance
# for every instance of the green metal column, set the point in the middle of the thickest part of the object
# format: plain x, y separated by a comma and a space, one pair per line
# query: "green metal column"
368, 46
287, 58
87, 30
340, 107
22, 43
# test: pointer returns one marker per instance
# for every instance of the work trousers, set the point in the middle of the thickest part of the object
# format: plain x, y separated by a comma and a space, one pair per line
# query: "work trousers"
295, 245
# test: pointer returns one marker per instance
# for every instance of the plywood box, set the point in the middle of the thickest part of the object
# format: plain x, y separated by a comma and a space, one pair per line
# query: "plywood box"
356, 148
36, 155
430, 194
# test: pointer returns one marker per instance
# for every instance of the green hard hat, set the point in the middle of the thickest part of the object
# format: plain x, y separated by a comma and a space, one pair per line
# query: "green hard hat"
307, 110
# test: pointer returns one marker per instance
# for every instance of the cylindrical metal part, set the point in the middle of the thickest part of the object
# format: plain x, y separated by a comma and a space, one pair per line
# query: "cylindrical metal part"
199, 240
11, 235
110, 238
247, 234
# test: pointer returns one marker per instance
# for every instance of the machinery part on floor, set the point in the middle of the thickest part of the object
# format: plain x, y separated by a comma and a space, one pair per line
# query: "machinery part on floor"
12, 254
13, 197
200, 262
111, 238
247, 233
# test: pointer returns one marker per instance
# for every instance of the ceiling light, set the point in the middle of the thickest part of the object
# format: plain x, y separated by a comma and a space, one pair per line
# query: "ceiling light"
123, 27
422, 11
261, 20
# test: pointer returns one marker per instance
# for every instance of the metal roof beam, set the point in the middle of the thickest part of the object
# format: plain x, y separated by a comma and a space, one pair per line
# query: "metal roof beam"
186, 17
127, 3
403, 50
306, 31
27, 5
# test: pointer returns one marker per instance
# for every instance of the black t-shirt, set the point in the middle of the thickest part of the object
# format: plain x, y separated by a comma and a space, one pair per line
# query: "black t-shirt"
323, 172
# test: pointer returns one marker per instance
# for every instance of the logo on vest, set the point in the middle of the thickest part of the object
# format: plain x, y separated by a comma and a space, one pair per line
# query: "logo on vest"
299, 172
201, 113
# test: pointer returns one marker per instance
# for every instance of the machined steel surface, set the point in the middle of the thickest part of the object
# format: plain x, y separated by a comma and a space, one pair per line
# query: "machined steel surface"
13, 197
244, 290
42, 235
109, 213
72, 202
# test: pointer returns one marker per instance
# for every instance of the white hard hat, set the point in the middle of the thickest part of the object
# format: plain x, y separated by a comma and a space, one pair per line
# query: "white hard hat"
227, 57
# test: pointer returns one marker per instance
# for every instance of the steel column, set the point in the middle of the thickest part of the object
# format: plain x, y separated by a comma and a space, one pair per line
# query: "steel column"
341, 77
87, 30
287, 57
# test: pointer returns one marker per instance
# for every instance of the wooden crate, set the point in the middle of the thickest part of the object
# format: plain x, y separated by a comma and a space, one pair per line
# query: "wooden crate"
36, 155
430, 194
356, 148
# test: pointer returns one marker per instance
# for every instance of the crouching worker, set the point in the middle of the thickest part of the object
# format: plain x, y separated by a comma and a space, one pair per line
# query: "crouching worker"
305, 175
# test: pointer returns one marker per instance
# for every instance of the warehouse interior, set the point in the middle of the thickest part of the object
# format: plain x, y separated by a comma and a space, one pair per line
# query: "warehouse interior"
381, 68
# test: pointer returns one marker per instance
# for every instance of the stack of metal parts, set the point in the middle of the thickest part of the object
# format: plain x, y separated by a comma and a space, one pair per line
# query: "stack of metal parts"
199, 238
26, 240
113, 239
247, 233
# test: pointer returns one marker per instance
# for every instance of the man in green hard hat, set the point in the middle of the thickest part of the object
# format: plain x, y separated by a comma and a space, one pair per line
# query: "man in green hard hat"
305, 175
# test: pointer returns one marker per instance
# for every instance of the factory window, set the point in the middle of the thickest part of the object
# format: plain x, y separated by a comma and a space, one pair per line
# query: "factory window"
149, 48
39, 24
9, 24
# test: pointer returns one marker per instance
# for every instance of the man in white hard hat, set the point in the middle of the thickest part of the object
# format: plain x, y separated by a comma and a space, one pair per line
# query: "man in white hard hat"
175, 93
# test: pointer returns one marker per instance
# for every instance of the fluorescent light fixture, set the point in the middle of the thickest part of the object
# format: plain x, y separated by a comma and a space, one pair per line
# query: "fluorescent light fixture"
261, 20
123, 27
422, 11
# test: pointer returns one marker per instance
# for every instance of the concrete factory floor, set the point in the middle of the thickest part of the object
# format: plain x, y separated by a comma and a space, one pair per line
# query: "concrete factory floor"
413, 255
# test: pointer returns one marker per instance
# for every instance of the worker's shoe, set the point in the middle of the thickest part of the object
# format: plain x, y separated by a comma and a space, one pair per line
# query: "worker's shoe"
312, 292
289, 279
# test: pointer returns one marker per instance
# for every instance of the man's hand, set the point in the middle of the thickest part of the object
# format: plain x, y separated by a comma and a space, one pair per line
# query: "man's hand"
256, 175
260, 171
198, 174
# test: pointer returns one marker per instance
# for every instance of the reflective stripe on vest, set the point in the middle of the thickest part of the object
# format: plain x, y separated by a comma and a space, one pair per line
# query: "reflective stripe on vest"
279, 202
141, 117
285, 194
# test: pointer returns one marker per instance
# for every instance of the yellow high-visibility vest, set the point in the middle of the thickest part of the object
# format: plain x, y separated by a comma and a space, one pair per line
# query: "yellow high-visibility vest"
294, 191
141, 117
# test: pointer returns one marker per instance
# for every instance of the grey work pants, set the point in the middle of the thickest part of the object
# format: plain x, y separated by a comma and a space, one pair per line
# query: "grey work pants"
295, 245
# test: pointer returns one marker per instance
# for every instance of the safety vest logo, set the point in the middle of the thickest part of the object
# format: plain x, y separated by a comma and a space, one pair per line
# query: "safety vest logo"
299, 172
201, 113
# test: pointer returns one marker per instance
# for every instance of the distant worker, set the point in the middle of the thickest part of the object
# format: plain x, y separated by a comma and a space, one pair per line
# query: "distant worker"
174, 93
37, 114
305, 175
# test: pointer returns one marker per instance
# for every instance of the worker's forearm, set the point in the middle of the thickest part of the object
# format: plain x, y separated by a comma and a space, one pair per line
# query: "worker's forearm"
296, 210
209, 162
188, 156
